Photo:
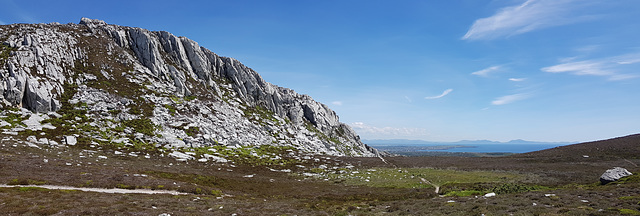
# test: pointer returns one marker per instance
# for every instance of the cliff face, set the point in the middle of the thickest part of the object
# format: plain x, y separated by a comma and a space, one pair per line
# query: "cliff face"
104, 83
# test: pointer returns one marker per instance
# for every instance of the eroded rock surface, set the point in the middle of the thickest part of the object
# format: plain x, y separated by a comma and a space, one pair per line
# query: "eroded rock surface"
128, 86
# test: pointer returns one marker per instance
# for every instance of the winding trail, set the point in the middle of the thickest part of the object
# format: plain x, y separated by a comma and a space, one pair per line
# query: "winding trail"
634, 164
99, 190
428, 182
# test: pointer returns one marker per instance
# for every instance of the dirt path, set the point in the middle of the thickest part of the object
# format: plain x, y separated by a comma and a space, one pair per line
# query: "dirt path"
100, 190
428, 182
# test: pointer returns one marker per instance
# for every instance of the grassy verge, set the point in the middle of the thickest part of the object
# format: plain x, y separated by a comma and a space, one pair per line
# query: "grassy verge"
412, 177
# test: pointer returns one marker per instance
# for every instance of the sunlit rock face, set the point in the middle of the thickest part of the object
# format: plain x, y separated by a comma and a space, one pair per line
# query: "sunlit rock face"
133, 85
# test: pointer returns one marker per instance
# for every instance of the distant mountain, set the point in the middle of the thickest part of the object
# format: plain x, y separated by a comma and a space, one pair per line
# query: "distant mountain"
466, 142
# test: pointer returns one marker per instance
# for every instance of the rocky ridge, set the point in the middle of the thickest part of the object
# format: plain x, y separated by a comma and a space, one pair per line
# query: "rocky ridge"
107, 86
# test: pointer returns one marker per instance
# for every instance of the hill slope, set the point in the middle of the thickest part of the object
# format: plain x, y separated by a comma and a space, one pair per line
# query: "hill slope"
620, 147
97, 84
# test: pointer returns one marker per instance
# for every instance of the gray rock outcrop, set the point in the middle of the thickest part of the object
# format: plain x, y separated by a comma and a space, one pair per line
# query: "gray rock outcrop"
614, 174
195, 97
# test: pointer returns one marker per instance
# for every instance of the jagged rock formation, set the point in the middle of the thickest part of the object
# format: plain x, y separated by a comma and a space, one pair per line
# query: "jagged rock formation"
108, 84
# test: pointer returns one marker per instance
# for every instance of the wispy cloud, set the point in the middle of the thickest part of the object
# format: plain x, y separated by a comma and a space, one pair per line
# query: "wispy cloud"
408, 99
445, 93
517, 79
2, 22
369, 130
485, 72
627, 59
337, 103
507, 99
612, 67
528, 16
588, 67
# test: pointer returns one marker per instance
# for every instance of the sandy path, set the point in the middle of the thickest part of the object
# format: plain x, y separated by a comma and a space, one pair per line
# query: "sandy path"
100, 190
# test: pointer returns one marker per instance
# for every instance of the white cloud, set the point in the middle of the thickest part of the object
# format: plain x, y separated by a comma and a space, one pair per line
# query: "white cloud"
509, 99
337, 103
631, 58
485, 72
2, 23
408, 99
388, 132
629, 61
588, 48
617, 77
445, 93
529, 16
612, 67
517, 79
580, 68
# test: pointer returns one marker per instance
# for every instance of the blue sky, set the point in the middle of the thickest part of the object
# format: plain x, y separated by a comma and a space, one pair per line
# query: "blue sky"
544, 70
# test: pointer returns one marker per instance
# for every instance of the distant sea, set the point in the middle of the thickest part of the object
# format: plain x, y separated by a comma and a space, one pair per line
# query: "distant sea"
474, 148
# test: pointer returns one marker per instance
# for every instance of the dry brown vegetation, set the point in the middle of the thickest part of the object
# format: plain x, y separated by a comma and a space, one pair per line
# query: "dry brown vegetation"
560, 181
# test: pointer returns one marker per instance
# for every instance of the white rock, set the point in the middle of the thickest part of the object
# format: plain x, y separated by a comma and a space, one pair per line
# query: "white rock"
4, 123
490, 194
181, 156
614, 174
70, 140
215, 158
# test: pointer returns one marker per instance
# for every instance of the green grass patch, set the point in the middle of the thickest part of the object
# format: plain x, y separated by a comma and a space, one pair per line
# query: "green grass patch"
465, 193
629, 197
412, 177
15, 119
172, 109
517, 188
316, 170
629, 211
192, 131
5, 53
190, 98
635, 178
144, 126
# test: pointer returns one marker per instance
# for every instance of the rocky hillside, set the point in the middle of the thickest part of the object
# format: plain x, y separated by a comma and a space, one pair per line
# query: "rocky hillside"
95, 84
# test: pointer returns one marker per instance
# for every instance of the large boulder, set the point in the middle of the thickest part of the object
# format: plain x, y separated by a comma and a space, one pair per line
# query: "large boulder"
614, 174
